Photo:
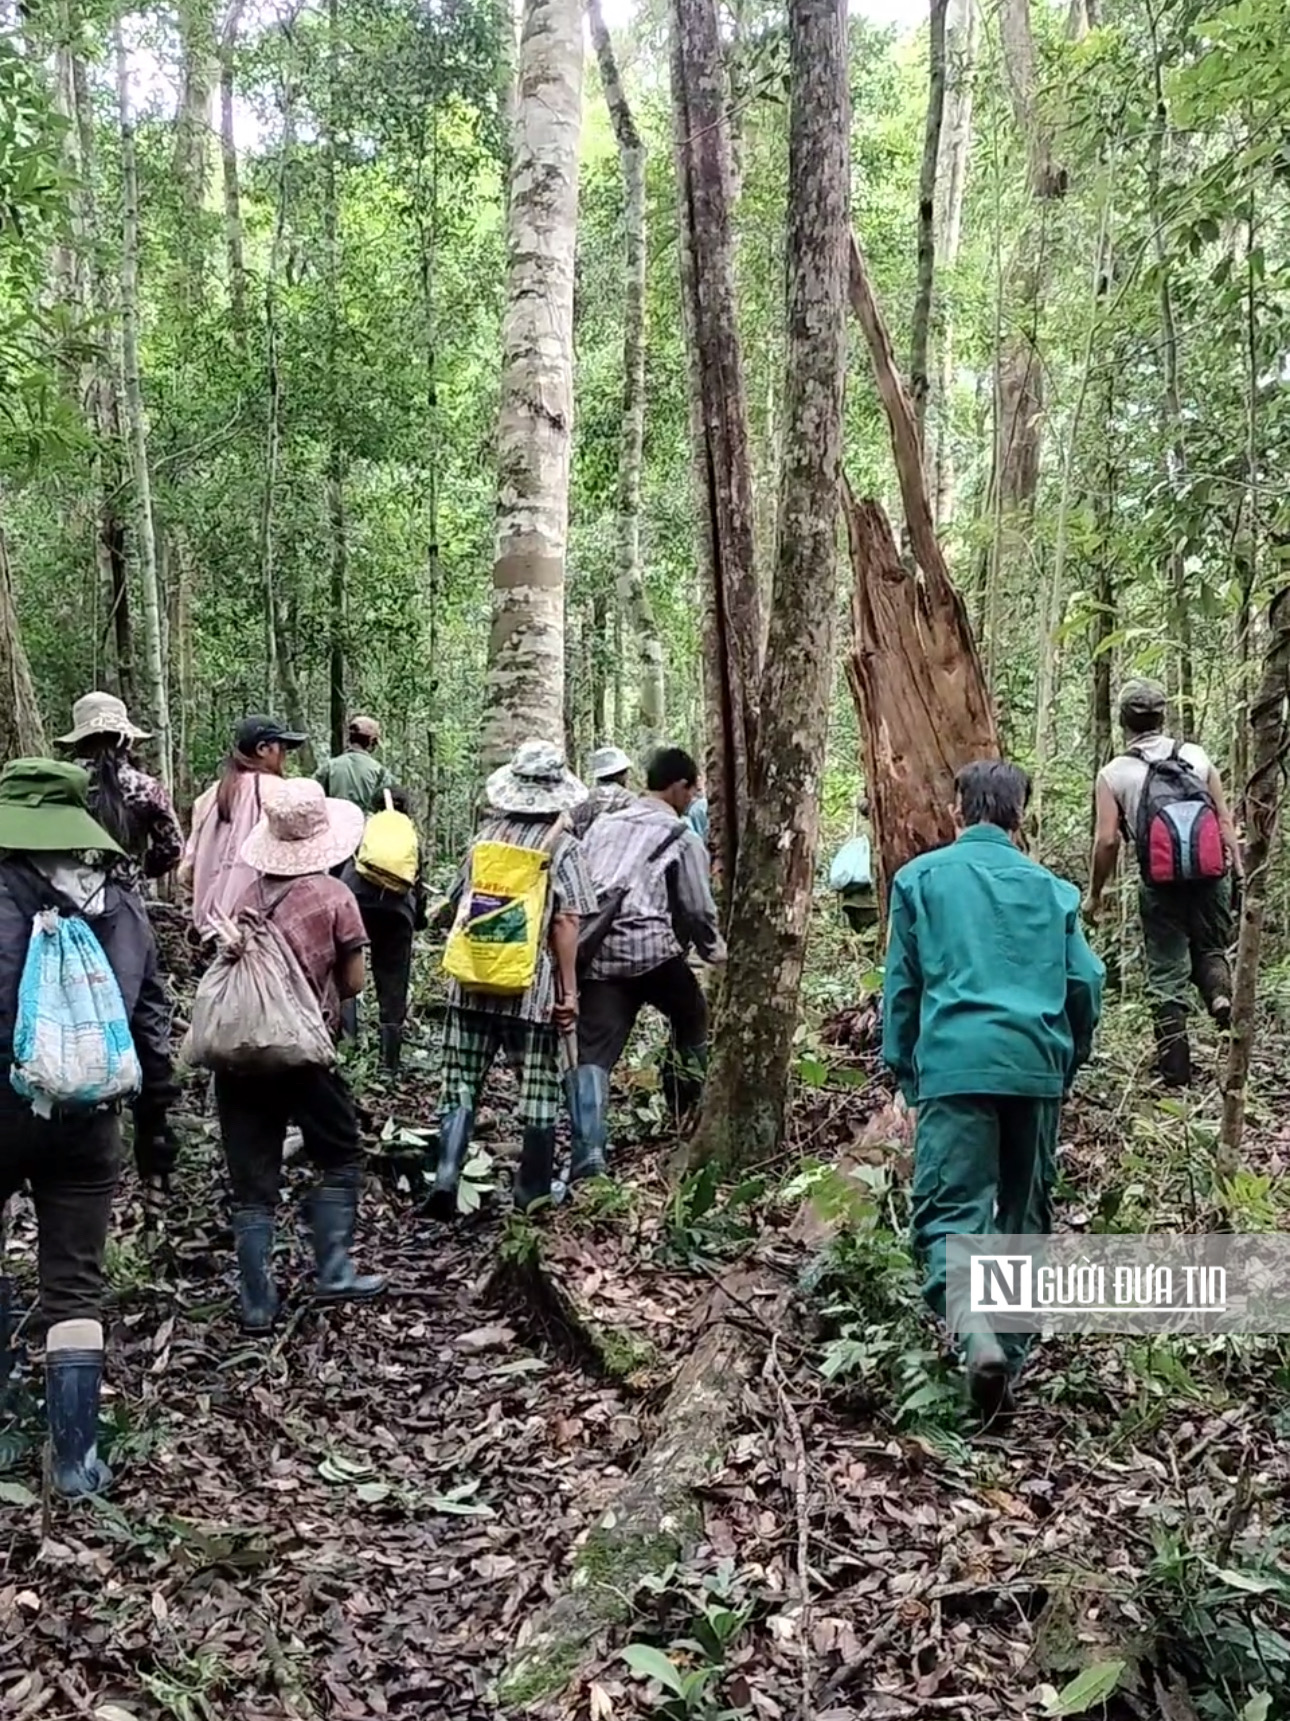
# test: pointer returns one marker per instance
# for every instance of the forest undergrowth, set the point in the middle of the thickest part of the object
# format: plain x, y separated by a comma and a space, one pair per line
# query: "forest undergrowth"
365, 1515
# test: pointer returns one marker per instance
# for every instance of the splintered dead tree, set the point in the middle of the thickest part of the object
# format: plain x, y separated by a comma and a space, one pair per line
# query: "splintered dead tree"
722, 466
525, 685
1269, 742
915, 676
743, 1116
633, 599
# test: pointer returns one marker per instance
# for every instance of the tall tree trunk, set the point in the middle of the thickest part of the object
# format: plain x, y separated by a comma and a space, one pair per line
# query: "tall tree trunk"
276, 662
525, 690
743, 1116
633, 599
914, 673
145, 529
192, 147
339, 556
21, 733
233, 242
1174, 453
429, 242
718, 417
951, 185
919, 381
1019, 377
1269, 736
1102, 628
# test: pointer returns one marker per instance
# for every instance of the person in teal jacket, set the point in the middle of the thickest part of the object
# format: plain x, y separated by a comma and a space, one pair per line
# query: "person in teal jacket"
990, 999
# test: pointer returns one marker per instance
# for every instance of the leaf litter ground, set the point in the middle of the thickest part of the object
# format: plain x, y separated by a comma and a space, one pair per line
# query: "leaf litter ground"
362, 1516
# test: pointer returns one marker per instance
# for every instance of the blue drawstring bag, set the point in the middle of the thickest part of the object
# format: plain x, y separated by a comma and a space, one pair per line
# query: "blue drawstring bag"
72, 1046
852, 867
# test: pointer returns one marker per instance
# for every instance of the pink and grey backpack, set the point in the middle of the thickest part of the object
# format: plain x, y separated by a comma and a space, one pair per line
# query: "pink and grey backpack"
1178, 837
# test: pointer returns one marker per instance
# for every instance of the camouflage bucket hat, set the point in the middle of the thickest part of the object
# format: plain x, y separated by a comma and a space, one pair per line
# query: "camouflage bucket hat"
536, 781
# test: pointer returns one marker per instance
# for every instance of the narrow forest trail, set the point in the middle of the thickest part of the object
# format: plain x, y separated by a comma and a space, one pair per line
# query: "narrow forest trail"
358, 1518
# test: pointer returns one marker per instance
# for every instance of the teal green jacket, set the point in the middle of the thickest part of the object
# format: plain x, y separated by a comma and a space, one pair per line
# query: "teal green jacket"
990, 986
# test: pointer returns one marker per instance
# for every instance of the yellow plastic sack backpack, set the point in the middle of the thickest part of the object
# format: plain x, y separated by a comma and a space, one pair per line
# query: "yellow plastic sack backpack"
390, 851
501, 920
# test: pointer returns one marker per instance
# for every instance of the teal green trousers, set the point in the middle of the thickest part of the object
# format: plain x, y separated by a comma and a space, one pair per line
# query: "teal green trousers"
983, 1163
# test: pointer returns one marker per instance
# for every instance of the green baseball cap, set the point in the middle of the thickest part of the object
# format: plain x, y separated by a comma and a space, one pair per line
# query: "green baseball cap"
1143, 698
43, 809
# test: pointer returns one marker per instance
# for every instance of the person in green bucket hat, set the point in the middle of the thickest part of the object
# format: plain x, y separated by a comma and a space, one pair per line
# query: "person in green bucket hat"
52, 855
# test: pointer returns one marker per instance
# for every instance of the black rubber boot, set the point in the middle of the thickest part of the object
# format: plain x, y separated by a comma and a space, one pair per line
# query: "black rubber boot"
454, 1145
989, 1380
591, 1110
536, 1168
391, 1047
1173, 1052
349, 1020
257, 1293
73, 1383
335, 1210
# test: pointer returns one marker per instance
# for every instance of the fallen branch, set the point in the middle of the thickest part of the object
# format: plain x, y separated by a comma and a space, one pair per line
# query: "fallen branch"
654, 1520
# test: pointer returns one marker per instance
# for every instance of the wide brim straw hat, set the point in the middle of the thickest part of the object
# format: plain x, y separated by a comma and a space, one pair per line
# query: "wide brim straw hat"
101, 714
43, 810
301, 830
536, 780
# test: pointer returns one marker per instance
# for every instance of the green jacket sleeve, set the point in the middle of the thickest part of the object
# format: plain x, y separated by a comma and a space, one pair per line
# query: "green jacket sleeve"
902, 990
323, 776
1084, 977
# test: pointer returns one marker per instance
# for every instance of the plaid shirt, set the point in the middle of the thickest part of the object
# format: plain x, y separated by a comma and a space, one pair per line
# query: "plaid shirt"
570, 892
661, 895
319, 919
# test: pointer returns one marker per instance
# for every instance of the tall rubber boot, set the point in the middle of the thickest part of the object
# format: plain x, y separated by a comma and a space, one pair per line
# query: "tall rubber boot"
454, 1144
1173, 1051
536, 1168
257, 1293
73, 1383
391, 1046
349, 1020
1213, 978
335, 1211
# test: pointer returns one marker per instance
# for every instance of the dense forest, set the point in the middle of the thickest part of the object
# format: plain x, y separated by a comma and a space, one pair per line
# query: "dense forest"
843, 401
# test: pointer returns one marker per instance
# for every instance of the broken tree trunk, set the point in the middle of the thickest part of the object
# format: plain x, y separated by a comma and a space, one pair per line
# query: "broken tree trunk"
1270, 735
919, 691
914, 672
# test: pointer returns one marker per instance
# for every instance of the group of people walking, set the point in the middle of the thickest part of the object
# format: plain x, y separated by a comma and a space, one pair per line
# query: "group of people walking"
573, 909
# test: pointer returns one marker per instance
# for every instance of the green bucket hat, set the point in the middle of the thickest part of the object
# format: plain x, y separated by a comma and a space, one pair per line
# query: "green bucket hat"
42, 809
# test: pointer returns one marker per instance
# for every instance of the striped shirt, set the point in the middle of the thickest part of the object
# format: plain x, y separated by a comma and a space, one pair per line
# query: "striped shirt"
570, 892
604, 798
668, 906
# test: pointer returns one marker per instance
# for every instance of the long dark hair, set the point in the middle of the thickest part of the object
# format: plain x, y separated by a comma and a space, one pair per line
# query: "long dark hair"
235, 766
107, 800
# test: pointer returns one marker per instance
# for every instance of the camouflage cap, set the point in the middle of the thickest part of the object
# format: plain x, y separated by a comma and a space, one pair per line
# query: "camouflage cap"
1142, 698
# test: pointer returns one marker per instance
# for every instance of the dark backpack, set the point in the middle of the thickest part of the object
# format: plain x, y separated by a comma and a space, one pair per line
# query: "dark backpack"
1178, 837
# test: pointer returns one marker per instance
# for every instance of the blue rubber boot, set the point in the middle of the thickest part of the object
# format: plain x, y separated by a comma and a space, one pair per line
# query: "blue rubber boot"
335, 1213
73, 1384
257, 1293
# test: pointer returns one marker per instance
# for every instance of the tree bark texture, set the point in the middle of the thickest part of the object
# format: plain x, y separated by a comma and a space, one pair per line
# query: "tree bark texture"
1019, 378
743, 1117
919, 692
525, 689
1269, 738
633, 598
193, 146
337, 546
21, 733
722, 461
145, 529
951, 185
919, 380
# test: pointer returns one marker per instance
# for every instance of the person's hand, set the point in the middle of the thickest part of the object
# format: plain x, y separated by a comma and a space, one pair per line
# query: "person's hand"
565, 1011
1091, 909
